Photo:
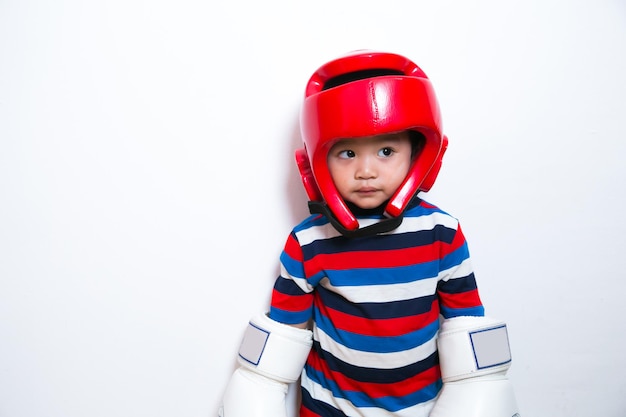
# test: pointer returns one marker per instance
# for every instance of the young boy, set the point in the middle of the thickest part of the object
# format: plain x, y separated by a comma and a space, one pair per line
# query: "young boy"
365, 279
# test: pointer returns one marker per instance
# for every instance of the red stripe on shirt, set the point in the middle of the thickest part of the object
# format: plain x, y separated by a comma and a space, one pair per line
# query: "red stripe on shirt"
380, 259
377, 390
289, 302
460, 300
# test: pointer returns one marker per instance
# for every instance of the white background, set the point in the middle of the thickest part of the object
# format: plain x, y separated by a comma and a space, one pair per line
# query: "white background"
147, 186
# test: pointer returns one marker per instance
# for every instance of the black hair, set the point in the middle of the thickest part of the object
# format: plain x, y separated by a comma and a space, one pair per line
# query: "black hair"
358, 75
417, 142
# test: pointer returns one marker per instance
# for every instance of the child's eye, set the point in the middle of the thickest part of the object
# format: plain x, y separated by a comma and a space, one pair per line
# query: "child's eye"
346, 154
385, 152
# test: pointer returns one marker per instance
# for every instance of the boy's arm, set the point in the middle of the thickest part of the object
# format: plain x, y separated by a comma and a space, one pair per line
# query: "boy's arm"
457, 290
474, 352
273, 353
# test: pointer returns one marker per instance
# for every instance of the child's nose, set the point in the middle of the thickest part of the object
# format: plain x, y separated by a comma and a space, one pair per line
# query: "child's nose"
366, 169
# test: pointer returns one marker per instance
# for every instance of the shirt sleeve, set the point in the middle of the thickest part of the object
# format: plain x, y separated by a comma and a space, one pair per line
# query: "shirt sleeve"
292, 298
457, 289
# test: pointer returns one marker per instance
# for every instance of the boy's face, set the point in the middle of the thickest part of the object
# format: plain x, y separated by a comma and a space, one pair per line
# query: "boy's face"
367, 171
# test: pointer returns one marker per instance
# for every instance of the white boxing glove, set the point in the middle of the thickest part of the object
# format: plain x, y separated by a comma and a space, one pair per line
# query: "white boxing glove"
474, 356
271, 356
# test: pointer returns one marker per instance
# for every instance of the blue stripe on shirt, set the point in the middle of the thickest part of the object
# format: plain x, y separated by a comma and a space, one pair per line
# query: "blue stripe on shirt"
289, 317
454, 258
447, 312
383, 276
294, 267
376, 343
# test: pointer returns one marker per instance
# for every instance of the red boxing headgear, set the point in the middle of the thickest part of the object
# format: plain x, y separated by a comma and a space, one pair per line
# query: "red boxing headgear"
368, 93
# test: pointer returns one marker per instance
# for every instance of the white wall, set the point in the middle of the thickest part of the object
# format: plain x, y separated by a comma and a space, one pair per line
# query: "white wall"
147, 186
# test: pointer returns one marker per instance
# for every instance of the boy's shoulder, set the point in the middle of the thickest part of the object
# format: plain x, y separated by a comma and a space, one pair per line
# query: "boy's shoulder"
424, 215
423, 207
316, 221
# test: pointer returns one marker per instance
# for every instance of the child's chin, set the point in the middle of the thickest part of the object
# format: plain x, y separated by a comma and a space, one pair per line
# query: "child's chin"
368, 204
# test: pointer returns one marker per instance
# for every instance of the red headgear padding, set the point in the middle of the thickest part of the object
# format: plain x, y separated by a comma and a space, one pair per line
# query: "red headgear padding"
392, 94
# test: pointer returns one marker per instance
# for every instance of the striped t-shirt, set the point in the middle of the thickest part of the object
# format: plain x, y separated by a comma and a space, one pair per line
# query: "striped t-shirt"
374, 304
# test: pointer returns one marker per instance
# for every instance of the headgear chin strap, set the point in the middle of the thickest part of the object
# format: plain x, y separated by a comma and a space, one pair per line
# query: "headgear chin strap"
367, 93
382, 226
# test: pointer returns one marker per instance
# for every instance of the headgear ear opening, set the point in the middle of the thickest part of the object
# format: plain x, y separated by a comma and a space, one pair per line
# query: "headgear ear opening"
308, 180
367, 93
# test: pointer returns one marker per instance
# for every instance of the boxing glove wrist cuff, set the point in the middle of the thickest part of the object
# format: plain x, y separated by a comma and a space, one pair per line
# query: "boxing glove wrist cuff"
275, 350
470, 347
